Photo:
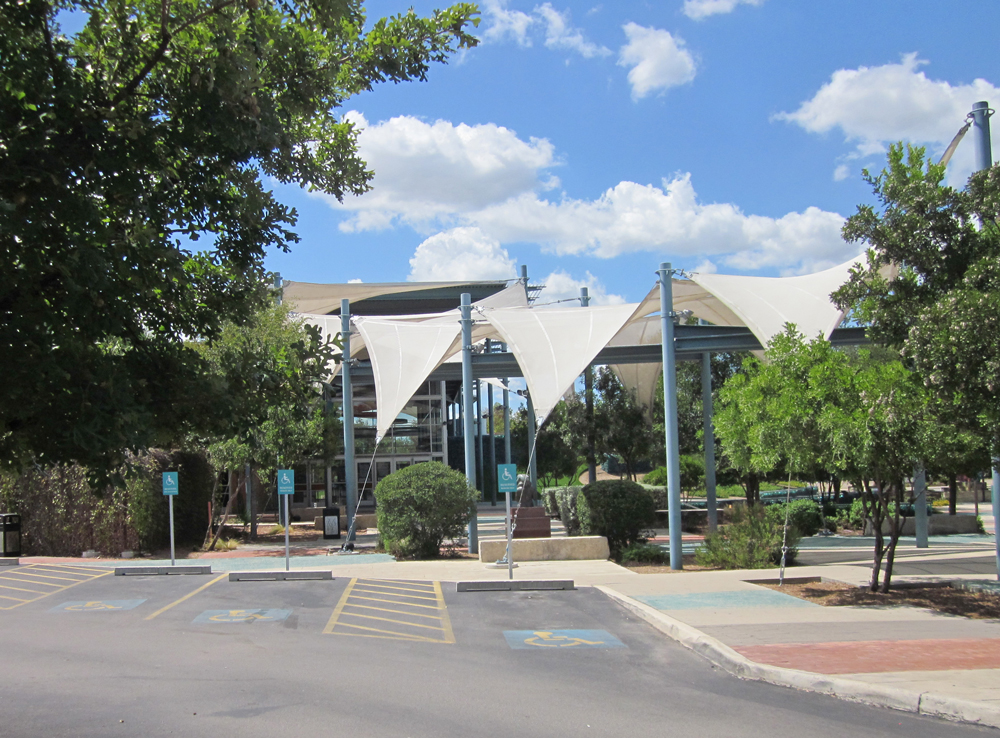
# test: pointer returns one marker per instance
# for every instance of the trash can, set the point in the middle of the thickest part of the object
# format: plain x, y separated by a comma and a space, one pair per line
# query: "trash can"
331, 523
10, 535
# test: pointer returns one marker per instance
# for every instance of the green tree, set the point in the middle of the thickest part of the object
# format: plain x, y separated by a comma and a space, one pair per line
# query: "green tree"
555, 456
941, 306
154, 127
621, 425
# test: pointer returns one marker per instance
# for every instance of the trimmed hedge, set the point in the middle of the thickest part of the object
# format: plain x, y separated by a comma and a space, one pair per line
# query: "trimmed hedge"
619, 510
420, 506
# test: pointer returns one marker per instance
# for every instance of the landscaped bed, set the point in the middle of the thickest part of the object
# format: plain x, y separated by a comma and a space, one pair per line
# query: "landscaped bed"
943, 599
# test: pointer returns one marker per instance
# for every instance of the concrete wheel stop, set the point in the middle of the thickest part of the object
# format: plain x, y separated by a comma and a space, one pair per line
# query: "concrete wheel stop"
145, 571
8, 561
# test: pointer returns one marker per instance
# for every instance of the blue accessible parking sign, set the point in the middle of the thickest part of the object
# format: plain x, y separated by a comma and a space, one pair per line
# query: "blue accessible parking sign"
507, 478
170, 483
286, 481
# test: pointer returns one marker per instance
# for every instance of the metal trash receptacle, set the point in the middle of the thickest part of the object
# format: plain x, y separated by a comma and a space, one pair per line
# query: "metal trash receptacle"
10, 535
331, 523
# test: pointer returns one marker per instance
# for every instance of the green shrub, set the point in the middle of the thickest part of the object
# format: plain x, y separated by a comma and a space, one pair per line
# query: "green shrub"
644, 553
806, 516
420, 506
566, 498
550, 502
659, 495
620, 511
657, 477
751, 541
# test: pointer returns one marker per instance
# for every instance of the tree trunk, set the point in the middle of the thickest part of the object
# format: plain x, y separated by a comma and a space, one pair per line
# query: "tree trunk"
895, 529
952, 493
752, 489
225, 515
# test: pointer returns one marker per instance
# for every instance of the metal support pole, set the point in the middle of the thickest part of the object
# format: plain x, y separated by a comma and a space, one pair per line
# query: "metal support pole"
506, 416
670, 415
480, 458
708, 435
981, 125
250, 516
288, 524
491, 452
532, 457
350, 466
588, 399
467, 410
920, 505
444, 425
984, 160
170, 511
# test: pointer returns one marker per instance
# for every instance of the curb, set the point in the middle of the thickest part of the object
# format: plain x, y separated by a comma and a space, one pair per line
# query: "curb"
922, 703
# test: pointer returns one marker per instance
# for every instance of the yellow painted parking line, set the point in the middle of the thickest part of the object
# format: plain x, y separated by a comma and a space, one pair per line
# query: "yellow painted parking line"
16, 599
352, 617
188, 596
9, 579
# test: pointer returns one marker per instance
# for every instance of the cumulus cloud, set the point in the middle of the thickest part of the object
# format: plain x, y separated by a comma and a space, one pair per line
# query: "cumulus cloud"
559, 34
460, 254
502, 24
873, 106
701, 9
559, 285
657, 59
631, 217
428, 171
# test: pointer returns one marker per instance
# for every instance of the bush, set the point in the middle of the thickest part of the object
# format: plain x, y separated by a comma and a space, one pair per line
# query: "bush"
420, 506
657, 477
644, 553
659, 494
566, 498
805, 516
751, 541
550, 502
620, 511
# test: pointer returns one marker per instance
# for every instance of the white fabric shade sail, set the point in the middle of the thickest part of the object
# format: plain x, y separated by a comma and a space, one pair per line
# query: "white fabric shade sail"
639, 378
553, 346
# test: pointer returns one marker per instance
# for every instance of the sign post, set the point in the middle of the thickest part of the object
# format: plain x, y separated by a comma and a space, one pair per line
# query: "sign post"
170, 487
286, 487
507, 484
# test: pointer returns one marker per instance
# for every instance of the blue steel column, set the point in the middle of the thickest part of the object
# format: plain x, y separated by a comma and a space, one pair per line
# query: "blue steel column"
670, 414
350, 467
984, 160
708, 435
588, 403
467, 411
532, 451
920, 505
480, 458
491, 455
506, 414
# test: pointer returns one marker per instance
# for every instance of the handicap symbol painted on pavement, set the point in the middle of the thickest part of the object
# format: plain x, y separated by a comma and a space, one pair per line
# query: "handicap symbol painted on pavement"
243, 616
555, 639
97, 606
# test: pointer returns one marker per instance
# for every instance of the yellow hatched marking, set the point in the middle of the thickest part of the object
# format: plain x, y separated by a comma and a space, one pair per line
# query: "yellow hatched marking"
22, 589
32, 569
408, 614
423, 590
188, 596
389, 634
348, 610
390, 620
395, 594
66, 569
393, 602
16, 599
47, 576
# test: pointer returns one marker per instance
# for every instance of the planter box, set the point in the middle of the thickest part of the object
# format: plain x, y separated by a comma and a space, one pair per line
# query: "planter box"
937, 525
572, 548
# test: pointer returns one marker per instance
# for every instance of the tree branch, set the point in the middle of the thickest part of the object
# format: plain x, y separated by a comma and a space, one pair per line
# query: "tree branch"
161, 50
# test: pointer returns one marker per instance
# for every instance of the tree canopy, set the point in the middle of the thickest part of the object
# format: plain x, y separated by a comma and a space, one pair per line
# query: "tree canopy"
134, 209
942, 309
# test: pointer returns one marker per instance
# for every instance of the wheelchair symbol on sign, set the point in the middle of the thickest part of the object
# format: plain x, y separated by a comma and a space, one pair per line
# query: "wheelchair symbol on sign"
545, 639
506, 476
93, 607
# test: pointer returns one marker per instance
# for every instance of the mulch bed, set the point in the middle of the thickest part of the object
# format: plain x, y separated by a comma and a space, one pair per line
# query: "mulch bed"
689, 565
946, 600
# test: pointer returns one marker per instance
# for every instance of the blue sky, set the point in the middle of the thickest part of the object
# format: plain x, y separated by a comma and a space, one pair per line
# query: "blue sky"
593, 141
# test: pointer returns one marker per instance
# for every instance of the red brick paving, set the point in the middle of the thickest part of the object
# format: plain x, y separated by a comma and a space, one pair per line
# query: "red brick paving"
858, 657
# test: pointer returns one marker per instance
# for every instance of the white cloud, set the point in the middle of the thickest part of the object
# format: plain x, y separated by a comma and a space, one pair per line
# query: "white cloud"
631, 217
707, 266
502, 23
428, 171
355, 281
460, 254
559, 34
841, 173
658, 60
874, 106
701, 9
559, 285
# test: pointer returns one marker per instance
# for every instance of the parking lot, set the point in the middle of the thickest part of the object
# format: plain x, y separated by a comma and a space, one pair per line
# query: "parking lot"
86, 653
